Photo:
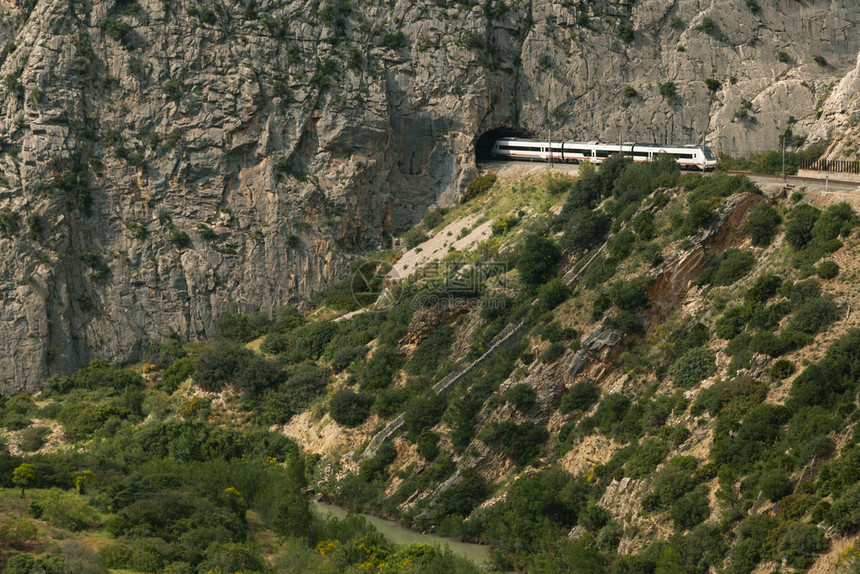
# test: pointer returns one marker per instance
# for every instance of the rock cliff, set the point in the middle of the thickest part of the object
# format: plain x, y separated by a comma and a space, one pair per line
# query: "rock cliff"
164, 161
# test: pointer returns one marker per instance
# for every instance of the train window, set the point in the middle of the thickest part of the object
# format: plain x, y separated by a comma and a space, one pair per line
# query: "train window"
640, 154
603, 153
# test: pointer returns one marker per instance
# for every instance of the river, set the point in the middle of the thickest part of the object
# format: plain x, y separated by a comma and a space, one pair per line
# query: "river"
477, 553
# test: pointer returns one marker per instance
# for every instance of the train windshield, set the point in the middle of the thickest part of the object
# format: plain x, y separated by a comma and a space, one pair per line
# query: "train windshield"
709, 155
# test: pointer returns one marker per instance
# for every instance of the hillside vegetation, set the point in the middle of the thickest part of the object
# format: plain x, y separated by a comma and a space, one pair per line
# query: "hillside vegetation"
637, 371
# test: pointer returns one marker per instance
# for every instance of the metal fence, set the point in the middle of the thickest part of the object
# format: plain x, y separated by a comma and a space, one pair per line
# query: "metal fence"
832, 165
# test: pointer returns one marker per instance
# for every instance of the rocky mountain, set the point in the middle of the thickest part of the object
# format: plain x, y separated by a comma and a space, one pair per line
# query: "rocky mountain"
164, 161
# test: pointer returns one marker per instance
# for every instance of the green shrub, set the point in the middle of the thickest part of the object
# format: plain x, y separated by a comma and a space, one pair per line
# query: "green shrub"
503, 224
647, 457
33, 438
414, 237
379, 370
537, 258
553, 293
463, 496
16, 532
303, 343
775, 485
423, 413
66, 510
116, 29
431, 352
350, 409
838, 219
735, 396
827, 269
598, 273
522, 396
706, 25
522, 442
764, 288
593, 517
553, 353
700, 215
394, 40
478, 186
845, 513
345, 356
240, 327
832, 246
225, 364
799, 544
98, 375
585, 229
672, 482
782, 369
304, 383
581, 397
761, 224
114, 555
732, 265
610, 412
630, 295
428, 444
690, 510
730, 324
625, 32
433, 218
621, 245
692, 367
814, 315
798, 228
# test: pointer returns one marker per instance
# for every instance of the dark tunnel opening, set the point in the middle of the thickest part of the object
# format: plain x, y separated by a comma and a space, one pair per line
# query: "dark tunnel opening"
485, 141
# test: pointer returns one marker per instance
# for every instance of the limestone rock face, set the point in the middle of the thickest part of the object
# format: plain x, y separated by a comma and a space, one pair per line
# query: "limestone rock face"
164, 161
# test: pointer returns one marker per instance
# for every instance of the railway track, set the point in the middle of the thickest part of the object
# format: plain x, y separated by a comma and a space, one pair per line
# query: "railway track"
797, 178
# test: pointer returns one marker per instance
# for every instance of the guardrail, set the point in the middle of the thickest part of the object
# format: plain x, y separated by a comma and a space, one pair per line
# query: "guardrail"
831, 165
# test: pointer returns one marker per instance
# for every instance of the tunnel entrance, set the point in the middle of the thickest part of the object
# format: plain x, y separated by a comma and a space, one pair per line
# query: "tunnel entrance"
485, 141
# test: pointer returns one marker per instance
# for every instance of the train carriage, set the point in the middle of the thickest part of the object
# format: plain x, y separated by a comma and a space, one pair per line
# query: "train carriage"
687, 156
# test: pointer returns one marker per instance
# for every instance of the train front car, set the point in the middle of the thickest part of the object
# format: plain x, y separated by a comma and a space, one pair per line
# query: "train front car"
710, 160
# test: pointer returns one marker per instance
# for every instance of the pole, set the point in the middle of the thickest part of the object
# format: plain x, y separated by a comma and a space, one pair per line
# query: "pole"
783, 157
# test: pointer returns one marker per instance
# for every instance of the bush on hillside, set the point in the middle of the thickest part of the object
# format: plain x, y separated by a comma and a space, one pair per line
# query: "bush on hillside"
827, 269
240, 327
350, 409
580, 397
478, 186
553, 293
762, 223
798, 228
690, 510
837, 220
520, 442
585, 229
732, 265
379, 370
775, 485
522, 396
692, 367
630, 295
537, 258
423, 413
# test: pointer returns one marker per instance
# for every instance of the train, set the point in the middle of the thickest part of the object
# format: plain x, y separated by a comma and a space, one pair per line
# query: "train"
688, 156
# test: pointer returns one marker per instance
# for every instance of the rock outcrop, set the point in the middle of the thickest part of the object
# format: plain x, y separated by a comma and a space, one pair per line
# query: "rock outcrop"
164, 161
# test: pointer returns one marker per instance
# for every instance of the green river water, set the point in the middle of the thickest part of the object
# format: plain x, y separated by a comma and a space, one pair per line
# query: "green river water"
477, 553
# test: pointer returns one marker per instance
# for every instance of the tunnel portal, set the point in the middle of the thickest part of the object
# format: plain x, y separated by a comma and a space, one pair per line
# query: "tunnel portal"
484, 143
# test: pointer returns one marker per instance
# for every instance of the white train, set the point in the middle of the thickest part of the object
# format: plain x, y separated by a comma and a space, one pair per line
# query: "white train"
687, 156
